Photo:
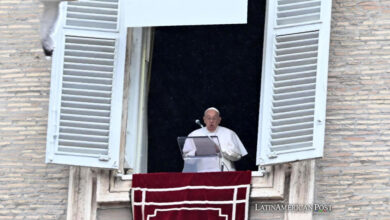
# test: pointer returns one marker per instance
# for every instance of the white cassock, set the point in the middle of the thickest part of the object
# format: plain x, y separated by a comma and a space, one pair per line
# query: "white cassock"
230, 144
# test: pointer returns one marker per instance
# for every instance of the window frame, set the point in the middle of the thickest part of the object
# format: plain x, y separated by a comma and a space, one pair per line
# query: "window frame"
136, 145
133, 144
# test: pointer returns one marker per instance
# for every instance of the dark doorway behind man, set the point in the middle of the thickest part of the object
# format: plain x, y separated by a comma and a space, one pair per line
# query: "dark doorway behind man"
196, 67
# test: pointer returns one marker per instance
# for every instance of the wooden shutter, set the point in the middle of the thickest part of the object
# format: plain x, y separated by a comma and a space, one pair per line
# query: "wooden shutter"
87, 85
294, 79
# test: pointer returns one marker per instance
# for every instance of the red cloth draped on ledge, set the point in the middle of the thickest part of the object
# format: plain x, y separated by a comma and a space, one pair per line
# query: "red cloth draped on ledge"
191, 196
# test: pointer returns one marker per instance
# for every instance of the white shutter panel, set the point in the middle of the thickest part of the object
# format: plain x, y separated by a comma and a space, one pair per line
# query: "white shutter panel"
85, 107
294, 78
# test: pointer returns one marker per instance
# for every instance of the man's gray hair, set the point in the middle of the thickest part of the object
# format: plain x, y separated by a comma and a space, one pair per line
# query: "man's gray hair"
211, 108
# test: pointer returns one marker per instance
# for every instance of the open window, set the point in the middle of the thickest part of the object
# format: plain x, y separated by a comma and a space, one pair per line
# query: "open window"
86, 106
196, 67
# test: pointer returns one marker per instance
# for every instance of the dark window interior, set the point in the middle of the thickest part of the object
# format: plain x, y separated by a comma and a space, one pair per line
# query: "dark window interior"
195, 67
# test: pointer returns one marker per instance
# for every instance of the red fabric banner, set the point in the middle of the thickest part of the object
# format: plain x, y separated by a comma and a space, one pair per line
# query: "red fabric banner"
191, 196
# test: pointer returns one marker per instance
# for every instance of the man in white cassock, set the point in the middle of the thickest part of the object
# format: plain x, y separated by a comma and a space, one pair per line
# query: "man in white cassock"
230, 144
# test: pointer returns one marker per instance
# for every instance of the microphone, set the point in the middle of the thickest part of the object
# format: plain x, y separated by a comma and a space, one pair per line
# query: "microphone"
218, 148
198, 123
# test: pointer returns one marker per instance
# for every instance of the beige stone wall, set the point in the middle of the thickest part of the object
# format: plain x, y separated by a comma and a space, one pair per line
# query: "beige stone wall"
354, 176
29, 189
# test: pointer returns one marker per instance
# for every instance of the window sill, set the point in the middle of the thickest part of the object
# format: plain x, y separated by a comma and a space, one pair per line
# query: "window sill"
115, 188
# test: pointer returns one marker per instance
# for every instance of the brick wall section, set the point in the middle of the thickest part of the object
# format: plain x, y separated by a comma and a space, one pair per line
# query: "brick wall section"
354, 176
29, 189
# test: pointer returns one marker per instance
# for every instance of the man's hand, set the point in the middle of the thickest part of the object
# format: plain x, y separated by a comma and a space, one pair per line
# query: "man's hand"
231, 155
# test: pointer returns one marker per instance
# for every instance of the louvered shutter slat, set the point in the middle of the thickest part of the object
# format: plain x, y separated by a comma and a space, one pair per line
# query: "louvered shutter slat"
88, 79
86, 47
86, 118
85, 79
283, 128
95, 54
80, 111
297, 12
88, 138
88, 86
293, 95
85, 92
290, 148
296, 56
69, 141
96, 4
291, 121
294, 102
69, 150
295, 50
296, 69
78, 124
85, 131
294, 82
298, 19
294, 88
298, 43
286, 134
276, 141
85, 105
69, 122
293, 114
283, 110
84, 126
92, 23
294, 75
86, 99
88, 60
93, 12
78, 72
94, 17
88, 67
98, 15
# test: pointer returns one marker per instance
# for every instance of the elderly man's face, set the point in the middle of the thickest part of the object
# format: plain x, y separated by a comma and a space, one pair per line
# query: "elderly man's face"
211, 119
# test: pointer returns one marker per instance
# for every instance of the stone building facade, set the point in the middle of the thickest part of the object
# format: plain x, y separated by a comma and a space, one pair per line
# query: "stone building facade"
354, 173
353, 176
30, 189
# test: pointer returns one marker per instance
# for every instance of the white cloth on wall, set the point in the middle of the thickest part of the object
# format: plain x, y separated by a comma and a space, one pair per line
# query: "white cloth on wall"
230, 144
